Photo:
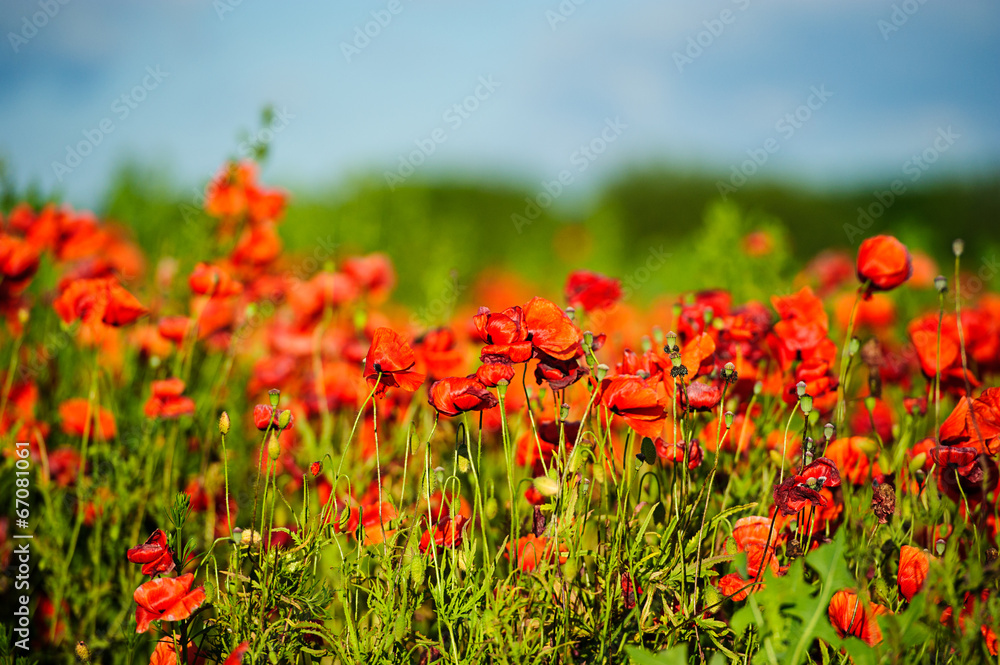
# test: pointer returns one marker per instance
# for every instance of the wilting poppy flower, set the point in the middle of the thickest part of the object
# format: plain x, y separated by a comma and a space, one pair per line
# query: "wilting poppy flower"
166, 599
633, 399
390, 363
850, 616
801, 490
154, 554
209, 280
885, 262
913, 567
491, 374
236, 657
559, 374
505, 335
550, 330
167, 401
454, 396
102, 299
74, 419
592, 291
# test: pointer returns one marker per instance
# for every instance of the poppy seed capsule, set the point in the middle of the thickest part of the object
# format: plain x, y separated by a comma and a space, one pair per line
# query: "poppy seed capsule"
941, 284
729, 419
728, 370
829, 431
800, 388
274, 395
588, 339
224, 423
806, 403
600, 372
939, 546
958, 246
671, 341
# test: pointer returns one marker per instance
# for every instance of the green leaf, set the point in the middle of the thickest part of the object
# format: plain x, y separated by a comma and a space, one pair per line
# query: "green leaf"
675, 656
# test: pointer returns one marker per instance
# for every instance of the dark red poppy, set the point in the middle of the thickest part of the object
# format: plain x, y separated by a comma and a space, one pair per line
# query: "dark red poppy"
559, 374
491, 374
592, 291
454, 396
633, 399
154, 554
884, 262
390, 363
630, 590
166, 599
800, 490
550, 330
505, 335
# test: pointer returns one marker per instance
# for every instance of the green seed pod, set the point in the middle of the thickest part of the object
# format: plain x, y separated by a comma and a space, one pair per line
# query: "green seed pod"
274, 395
588, 339
600, 372
941, 284
671, 339
958, 246
728, 417
800, 388
273, 447
806, 404
853, 346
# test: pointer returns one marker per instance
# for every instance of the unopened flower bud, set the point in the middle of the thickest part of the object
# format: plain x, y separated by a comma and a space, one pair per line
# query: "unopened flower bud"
853, 346
870, 404
273, 447
941, 284
284, 419
547, 486
758, 387
224, 423
958, 246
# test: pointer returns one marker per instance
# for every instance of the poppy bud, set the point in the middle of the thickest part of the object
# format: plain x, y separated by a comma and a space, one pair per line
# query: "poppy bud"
209, 591
658, 334
284, 419
547, 486
224, 423
83, 652
600, 372
800, 388
941, 284
870, 404
958, 246
564, 411
853, 346
918, 462
758, 387
806, 403
316, 468
490, 508
570, 569
273, 447
274, 394
729, 419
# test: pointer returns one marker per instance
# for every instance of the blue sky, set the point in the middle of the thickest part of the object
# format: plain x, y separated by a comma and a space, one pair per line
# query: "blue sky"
555, 84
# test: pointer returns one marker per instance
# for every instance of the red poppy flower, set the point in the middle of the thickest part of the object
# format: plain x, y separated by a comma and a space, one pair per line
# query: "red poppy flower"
209, 280
165, 653
265, 415
974, 423
885, 262
631, 398
390, 363
550, 330
559, 374
167, 401
737, 588
373, 273
592, 291
702, 396
675, 452
166, 599
439, 352
850, 616
454, 396
629, 590
18, 262
259, 245
236, 657
505, 335
804, 323
74, 419
850, 454
154, 554
491, 374
532, 550
801, 490
325, 289
102, 299
446, 533
913, 567
174, 328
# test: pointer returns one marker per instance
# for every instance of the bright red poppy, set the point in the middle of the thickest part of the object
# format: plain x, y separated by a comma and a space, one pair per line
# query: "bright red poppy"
165, 653
174, 328
532, 550
851, 616
390, 363
974, 423
454, 396
550, 330
491, 374
440, 353
154, 555
236, 657
166, 599
505, 335
265, 416
100, 299
167, 400
913, 566
631, 398
702, 396
804, 322
592, 291
74, 419
209, 280
884, 262
373, 273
